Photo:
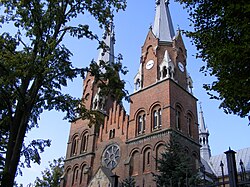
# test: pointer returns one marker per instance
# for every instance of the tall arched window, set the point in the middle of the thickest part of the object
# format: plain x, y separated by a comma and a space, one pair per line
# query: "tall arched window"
74, 146
147, 159
84, 145
178, 117
75, 176
189, 124
134, 163
157, 118
84, 174
159, 150
195, 161
141, 123
67, 177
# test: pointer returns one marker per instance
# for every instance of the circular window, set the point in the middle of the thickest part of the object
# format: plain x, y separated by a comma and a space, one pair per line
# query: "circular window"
111, 156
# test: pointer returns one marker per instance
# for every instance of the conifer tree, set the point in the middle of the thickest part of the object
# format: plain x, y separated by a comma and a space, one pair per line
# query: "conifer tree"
174, 166
128, 182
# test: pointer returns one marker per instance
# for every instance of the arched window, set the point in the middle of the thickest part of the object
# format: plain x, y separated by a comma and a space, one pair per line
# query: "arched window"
159, 150
141, 123
95, 104
195, 161
84, 174
157, 118
134, 163
137, 84
86, 96
75, 176
84, 145
178, 117
67, 177
189, 124
147, 159
74, 146
111, 133
164, 72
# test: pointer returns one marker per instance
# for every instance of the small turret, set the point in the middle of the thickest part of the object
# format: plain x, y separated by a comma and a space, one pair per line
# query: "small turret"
203, 138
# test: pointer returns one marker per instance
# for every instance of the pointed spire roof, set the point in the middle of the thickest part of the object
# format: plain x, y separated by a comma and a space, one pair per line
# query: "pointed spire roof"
163, 27
203, 128
109, 40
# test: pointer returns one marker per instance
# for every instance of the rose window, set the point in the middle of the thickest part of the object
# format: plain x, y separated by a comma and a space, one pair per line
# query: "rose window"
111, 156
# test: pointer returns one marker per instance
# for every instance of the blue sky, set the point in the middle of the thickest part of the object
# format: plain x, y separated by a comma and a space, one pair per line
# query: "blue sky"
131, 28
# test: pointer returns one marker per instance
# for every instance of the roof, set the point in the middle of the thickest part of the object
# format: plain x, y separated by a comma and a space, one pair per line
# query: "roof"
242, 154
163, 27
108, 54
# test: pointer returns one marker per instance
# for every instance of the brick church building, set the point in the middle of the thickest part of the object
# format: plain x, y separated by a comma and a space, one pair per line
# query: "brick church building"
162, 104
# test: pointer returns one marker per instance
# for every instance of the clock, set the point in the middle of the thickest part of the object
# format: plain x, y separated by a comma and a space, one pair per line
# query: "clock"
149, 64
111, 156
181, 67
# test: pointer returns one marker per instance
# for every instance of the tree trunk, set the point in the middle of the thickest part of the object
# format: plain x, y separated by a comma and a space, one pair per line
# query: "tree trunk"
16, 138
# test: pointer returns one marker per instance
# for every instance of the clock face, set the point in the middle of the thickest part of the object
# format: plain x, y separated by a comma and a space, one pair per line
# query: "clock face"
111, 156
181, 67
149, 64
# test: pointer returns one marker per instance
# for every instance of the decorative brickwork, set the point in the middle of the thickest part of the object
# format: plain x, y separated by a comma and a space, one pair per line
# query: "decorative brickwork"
162, 104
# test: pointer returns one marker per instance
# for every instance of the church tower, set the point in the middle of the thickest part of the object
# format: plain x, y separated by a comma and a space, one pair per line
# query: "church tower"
162, 102
162, 105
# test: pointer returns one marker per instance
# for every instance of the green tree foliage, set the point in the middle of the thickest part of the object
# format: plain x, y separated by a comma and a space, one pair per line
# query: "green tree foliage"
51, 176
221, 35
128, 182
35, 65
174, 166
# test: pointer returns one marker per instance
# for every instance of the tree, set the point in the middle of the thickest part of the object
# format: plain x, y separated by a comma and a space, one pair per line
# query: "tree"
128, 182
35, 65
51, 176
221, 35
174, 166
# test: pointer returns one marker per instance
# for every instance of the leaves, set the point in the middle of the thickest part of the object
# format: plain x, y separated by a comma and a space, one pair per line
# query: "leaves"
35, 66
221, 36
51, 176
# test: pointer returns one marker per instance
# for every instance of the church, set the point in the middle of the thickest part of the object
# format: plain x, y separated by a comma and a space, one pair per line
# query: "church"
128, 144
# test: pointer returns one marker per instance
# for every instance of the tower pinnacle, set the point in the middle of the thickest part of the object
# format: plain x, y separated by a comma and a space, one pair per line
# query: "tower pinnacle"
107, 54
163, 27
203, 128
203, 136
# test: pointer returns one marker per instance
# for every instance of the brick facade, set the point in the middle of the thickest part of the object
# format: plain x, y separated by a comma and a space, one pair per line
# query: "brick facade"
128, 144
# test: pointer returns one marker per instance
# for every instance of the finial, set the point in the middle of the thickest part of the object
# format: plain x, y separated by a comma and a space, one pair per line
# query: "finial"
150, 27
167, 2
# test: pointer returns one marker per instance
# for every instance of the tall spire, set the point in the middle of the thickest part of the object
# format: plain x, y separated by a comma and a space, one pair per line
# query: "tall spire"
203, 128
203, 136
107, 55
163, 27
